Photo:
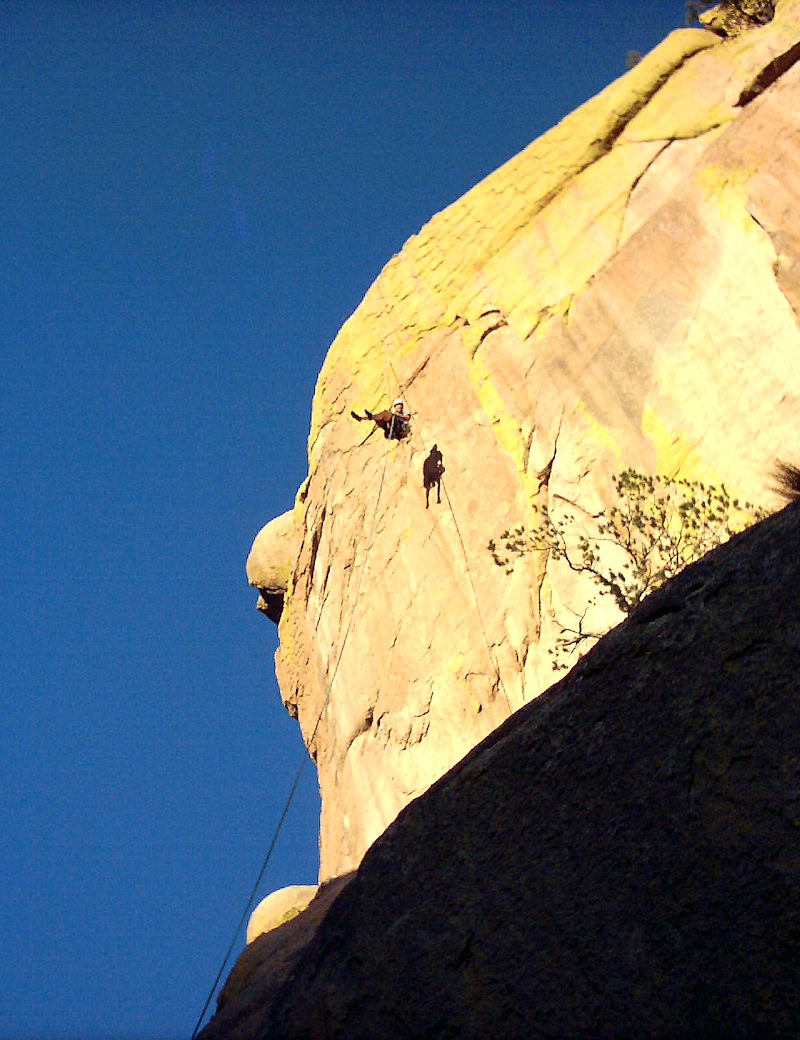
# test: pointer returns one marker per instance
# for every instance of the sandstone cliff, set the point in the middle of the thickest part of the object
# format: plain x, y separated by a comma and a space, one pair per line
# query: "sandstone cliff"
624, 292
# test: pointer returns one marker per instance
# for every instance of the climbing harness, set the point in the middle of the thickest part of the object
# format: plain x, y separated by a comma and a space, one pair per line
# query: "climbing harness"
396, 425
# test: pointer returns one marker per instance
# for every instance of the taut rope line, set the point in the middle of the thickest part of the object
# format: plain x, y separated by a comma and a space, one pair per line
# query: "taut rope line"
389, 368
295, 785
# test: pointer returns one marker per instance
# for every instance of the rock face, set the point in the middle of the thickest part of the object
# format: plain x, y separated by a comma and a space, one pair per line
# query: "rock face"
620, 859
624, 292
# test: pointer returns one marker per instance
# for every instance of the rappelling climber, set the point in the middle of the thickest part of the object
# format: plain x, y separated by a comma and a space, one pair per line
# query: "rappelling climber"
432, 470
396, 424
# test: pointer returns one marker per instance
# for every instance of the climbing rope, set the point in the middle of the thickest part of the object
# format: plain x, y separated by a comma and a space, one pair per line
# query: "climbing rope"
253, 892
489, 650
252, 896
295, 785
389, 369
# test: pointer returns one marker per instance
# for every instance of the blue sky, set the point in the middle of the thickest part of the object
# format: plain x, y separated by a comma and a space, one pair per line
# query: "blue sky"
194, 197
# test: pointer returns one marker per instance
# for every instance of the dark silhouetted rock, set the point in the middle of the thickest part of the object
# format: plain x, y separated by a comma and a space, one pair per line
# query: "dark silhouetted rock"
621, 858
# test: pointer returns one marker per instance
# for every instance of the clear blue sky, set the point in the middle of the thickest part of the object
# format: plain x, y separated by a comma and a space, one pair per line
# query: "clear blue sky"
194, 197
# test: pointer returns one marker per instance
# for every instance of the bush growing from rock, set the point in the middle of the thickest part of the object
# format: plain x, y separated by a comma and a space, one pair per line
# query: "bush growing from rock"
735, 15
655, 527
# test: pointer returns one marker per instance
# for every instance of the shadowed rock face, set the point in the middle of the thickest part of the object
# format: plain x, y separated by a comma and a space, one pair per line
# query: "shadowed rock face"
621, 858
624, 292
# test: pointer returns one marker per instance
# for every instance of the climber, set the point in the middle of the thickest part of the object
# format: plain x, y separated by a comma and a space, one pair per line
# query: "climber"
396, 424
432, 470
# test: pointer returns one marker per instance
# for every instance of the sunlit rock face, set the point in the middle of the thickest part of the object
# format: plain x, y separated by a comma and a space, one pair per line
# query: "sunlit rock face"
622, 293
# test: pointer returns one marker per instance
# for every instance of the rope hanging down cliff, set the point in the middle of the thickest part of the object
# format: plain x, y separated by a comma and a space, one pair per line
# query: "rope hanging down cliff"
304, 761
389, 370
390, 367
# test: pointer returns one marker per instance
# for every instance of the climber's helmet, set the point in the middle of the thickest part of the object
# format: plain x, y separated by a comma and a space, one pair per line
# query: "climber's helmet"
398, 403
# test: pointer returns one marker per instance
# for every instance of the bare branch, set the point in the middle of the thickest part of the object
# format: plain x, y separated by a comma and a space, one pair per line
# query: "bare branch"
654, 528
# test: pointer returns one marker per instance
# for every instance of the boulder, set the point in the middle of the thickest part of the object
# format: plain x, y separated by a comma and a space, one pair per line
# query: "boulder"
264, 967
279, 907
269, 565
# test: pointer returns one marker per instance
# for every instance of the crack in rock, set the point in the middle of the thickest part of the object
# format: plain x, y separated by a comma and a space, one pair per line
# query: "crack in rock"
775, 265
770, 74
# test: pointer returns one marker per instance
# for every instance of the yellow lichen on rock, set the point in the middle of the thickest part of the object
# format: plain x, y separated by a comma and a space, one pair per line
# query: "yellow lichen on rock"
442, 271
726, 187
674, 452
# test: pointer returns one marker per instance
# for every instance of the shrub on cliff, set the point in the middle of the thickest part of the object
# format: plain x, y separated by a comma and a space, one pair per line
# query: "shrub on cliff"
734, 14
655, 527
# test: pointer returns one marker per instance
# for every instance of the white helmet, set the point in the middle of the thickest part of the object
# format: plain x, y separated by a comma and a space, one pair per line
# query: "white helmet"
398, 401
